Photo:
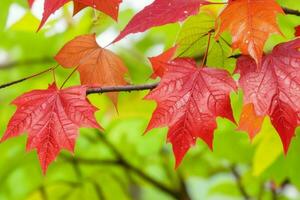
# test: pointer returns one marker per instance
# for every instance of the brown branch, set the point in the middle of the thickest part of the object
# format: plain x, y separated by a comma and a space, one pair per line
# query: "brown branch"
291, 11
92, 90
126, 88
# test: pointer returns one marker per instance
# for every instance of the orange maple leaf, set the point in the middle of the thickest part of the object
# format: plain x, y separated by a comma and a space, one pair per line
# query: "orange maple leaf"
97, 66
250, 22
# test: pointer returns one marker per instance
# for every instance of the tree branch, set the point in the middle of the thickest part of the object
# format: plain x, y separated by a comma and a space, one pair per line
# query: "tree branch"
126, 88
291, 11
91, 90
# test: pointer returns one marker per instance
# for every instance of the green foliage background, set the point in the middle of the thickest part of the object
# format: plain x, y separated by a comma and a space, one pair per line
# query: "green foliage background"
122, 163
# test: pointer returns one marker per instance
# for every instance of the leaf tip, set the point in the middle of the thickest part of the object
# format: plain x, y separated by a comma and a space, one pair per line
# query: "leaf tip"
250, 122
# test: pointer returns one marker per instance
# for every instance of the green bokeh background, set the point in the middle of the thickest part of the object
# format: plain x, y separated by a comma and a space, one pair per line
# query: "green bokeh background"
122, 163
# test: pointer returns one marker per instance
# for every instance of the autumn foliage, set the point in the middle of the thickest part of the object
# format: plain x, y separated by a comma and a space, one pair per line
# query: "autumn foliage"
190, 95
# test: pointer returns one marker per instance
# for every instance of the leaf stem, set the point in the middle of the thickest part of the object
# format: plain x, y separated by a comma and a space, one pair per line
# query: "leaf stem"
206, 51
70, 75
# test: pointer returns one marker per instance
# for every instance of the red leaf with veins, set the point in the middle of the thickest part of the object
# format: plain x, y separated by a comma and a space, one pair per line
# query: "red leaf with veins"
274, 89
161, 12
109, 7
188, 101
52, 118
159, 63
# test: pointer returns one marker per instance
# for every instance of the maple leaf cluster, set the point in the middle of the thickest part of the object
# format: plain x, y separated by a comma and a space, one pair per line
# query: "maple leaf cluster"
189, 96
52, 117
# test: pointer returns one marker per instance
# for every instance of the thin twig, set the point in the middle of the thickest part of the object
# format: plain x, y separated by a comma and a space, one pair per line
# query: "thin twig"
206, 51
26, 78
239, 183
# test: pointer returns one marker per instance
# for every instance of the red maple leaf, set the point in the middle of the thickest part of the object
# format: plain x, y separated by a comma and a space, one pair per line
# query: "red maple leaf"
188, 101
250, 23
159, 63
109, 7
161, 12
52, 118
274, 89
